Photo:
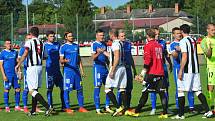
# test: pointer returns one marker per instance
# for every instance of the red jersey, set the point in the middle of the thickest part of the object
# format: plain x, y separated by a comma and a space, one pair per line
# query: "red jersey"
153, 58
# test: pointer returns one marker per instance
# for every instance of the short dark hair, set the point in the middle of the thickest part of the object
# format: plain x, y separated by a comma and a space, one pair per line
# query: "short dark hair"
156, 28
185, 28
115, 32
67, 32
99, 31
7, 39
49, 32
175, 28
34, 31
151, 33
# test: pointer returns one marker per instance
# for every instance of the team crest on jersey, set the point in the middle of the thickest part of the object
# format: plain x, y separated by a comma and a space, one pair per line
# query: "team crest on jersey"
76, 48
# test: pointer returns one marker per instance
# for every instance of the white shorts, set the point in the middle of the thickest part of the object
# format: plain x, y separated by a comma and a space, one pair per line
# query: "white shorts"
34, 77
120, 79
190, 82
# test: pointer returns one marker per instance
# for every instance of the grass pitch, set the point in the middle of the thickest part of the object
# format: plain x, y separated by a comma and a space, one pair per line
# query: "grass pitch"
89, 103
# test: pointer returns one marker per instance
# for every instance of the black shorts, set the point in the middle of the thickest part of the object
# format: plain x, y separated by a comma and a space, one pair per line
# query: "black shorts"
155, 83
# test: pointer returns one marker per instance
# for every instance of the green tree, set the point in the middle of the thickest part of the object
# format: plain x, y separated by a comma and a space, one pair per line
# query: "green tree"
82, 9
6, 8
128, 27
44, 12
143, 4
204, 10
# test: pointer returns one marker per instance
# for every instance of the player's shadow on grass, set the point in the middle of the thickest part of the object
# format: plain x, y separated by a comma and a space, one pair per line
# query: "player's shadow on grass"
148, 108
89, 106
198, 108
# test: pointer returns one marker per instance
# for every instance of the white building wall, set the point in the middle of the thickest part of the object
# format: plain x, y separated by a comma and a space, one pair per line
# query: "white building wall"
174, 23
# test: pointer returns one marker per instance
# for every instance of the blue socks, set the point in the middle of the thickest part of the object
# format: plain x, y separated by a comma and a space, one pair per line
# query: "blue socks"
190, 97
80, 97
17, 98
25, 97
97, 97
49, 97
128, 94
153, 98
66, 99
119, 98
107, 101
6, 98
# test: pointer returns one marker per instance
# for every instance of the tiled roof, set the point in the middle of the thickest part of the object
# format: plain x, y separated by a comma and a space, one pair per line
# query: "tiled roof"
141, 13
42, 28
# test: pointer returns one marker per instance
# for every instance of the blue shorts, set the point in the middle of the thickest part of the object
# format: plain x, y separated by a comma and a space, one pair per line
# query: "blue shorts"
72, 80
129, 78
12, 81
166, 77
54, 78
100, 74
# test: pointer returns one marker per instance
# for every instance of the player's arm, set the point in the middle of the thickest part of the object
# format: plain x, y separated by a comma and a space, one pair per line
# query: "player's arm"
182, 64
63, 60
183, 59
24, 56
174, 50
133, 66
2, 71
115, 63
209, 53
174, 54
168, 60
147, 61
19, 73
106, 53
96, 53
209, 50
206, 47
81, 66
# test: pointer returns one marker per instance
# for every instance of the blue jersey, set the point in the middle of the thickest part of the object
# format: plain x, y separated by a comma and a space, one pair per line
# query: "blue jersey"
101, 59
127, 52
164, 48
176, 61
71, 53
21, 52
52, 56
9, 59
163, 44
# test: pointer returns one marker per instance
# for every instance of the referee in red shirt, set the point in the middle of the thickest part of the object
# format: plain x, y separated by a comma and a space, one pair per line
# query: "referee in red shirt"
152, 74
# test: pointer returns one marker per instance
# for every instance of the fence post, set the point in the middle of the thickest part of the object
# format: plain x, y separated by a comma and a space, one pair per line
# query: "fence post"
11, 31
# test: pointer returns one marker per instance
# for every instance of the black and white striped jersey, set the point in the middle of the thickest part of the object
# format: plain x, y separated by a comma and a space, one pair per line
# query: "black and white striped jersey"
35, 54
189, 45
